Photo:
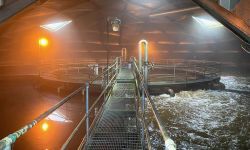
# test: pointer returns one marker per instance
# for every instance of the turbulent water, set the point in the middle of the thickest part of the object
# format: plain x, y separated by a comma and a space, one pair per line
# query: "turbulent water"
208, 119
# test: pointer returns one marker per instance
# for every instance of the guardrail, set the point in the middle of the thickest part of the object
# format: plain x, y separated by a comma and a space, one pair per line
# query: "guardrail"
71, 72
174, 71
111, 71
168, 142
104, 94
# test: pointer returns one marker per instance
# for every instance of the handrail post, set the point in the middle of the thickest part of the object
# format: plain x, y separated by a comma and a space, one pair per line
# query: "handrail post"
143, 114
87, 111
107, 75
117, 64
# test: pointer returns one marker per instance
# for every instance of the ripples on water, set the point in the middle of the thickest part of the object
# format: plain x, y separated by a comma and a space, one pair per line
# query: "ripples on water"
208, 119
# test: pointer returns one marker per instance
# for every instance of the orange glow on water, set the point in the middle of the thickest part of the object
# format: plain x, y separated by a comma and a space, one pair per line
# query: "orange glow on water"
45, 126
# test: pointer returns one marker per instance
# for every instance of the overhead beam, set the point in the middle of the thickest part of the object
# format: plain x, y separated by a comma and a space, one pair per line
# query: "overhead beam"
228, 19
10, 8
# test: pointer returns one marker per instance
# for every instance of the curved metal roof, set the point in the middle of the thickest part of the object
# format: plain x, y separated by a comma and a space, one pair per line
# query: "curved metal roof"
169, 26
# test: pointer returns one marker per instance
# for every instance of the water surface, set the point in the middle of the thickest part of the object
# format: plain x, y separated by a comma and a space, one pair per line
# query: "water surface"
206, 119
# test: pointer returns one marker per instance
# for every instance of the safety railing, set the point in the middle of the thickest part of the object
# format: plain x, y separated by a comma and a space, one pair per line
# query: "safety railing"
111, 72
71, 72
146, 99
174, 71
93, 113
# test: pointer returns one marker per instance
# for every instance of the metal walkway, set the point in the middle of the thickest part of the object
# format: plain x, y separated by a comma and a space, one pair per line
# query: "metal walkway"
119, 113
118, 127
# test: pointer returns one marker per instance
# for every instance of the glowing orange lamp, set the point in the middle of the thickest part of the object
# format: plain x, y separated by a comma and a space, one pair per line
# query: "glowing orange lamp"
43, 42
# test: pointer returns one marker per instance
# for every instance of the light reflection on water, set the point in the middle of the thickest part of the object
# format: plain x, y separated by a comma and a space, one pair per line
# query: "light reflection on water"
58, 116
208, 119
21, 102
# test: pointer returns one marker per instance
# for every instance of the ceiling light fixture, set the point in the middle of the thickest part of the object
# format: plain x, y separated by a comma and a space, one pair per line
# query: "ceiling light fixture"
53, 27
207, 22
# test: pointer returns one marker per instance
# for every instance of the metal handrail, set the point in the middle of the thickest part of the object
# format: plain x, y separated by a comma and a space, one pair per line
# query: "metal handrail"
98, 113
64, 146
137, 111
169, 143
11, 138
7, 142
194, 69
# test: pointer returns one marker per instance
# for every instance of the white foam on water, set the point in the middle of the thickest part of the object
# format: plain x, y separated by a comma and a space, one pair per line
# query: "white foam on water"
205, 117
237, 83
200, 109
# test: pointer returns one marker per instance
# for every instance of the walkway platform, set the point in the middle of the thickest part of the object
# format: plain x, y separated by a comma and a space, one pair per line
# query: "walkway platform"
118, 127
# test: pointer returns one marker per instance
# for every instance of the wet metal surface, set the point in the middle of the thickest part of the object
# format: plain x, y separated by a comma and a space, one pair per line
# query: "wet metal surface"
118, 127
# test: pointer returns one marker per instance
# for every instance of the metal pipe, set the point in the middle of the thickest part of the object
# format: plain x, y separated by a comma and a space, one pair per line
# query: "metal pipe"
90, 110
107, 27
64, 146
87, 110
169, 143
145, 65
96, 101
10, 139
137, 109
140, 56
145, 43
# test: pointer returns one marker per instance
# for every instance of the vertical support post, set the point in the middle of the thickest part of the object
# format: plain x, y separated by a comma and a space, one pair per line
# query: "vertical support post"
146, 65
140, 56
107, 27
120, 61
87, 111
107, 76
174, 72
143, 114
117, 65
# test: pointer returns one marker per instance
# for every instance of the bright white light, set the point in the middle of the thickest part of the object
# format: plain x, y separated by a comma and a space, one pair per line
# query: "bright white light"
53, 27
174, 11
207, 23
55, 116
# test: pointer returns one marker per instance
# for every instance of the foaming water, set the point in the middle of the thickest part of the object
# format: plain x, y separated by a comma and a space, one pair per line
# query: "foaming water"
207, 119
237, 83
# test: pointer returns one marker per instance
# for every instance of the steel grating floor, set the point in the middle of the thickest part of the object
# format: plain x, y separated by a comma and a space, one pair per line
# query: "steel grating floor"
117, 128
